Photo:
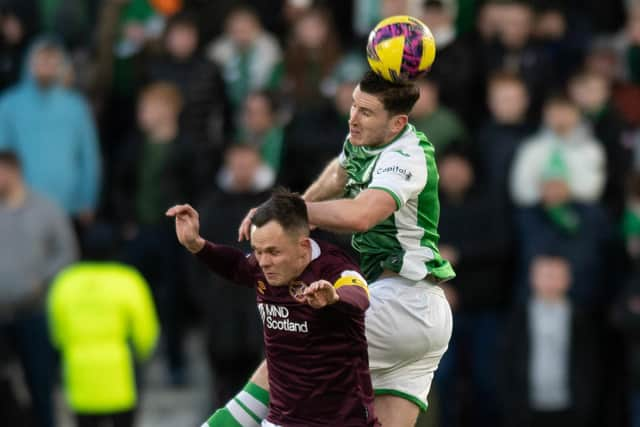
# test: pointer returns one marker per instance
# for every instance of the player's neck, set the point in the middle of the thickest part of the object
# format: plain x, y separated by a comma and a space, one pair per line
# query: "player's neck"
390, 138
305, 260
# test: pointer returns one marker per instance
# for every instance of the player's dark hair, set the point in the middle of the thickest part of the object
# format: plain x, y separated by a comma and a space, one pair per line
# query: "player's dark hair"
184, 19
286, 208
508, 77
242, 8
10, 158
397, 98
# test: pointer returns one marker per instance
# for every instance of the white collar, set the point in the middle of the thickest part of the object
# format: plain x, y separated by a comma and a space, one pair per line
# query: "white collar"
315, 249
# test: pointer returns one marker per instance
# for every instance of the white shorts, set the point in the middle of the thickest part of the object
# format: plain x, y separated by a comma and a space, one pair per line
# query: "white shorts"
408, 326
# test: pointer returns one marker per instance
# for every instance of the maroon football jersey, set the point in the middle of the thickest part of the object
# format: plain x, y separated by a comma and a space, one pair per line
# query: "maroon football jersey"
317, 358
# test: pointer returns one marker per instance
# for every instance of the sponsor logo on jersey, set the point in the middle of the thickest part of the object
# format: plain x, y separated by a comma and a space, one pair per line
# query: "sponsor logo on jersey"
395, 170
276, 317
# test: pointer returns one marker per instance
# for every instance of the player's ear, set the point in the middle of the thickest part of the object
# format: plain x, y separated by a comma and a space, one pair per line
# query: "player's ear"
399, 122
305, 242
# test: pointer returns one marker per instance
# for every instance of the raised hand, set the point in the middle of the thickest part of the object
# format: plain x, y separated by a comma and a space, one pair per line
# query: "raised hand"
244, 231
187, 227
321, 294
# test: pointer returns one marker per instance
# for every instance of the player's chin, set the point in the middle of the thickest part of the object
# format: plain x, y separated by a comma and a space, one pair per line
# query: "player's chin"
358, 141
274, 280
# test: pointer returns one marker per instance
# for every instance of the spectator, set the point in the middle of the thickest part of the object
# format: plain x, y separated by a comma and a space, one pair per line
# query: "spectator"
312, 53
441, 125
556, 181
37, 241
591, 92
551, 357
502, 133
70, 19
95, 307
248, 56
562, 163
261, 127
626, 308
631, 219
632, 51
564, 43
17, 26
456, 70
320, 135
60, 154
156, 169
517, 52
124, 31
233, 351
474, 238
206, 117
244, 167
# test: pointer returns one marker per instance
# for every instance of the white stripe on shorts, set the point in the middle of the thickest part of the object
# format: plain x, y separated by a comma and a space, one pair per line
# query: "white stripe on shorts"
240, 415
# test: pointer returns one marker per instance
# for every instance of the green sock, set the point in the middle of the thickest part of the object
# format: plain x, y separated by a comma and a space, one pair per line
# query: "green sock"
247, 409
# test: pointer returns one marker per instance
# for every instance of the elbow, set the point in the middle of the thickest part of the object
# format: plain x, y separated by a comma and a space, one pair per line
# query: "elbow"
361, 224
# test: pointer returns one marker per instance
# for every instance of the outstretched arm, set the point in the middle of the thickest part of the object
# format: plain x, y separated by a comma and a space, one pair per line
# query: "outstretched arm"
226, 261
349, 293
352, 215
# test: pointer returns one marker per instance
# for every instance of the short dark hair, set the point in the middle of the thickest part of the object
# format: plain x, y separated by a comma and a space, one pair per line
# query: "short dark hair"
559, 99
10, 158
270, 96
286, 208
397, 98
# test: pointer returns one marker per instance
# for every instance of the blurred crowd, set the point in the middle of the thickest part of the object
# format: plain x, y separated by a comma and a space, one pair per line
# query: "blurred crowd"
113, 110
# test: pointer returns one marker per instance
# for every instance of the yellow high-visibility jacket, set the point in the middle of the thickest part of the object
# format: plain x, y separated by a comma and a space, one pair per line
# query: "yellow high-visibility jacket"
95, 310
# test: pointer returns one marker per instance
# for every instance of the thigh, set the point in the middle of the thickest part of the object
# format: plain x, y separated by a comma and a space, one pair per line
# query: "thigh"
408, 330
405, 323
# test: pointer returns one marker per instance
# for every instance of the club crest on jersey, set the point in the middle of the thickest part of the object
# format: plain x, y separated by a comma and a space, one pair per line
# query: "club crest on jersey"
296, 289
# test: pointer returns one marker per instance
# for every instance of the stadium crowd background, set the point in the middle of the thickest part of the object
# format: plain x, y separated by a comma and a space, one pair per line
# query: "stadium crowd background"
534, 110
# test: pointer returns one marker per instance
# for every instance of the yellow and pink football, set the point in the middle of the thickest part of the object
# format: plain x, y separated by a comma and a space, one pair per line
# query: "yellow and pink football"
400, 48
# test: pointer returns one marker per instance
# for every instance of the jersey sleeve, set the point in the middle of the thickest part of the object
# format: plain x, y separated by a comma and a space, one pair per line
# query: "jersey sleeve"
353, 291
350, 285
228, 262
402, 173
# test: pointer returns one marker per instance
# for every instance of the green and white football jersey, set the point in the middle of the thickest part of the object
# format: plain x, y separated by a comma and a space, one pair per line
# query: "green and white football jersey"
407, 241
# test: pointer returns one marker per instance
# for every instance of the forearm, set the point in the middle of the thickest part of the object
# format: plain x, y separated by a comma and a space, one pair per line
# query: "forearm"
342, 215
330, 184
228, 262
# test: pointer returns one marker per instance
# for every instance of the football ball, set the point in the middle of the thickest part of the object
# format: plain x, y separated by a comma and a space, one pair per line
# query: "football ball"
400, 48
